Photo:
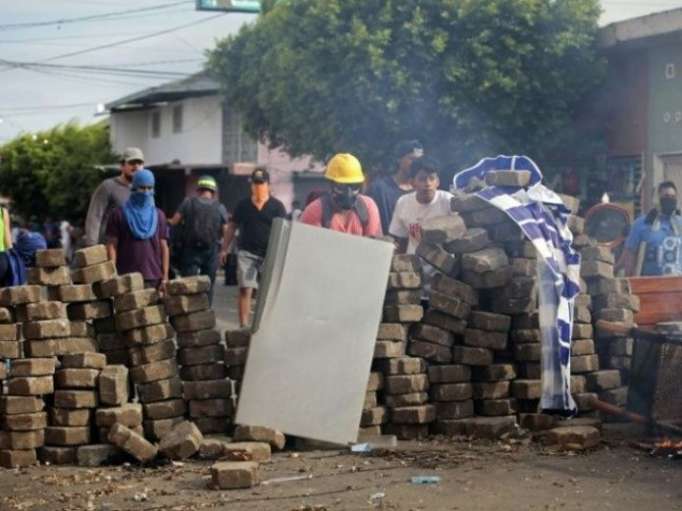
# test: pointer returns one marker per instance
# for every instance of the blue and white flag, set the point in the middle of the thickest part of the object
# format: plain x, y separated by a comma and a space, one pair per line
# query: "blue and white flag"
542, 217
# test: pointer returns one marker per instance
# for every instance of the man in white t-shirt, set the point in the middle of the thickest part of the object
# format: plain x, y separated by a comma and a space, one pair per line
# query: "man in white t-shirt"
427, 201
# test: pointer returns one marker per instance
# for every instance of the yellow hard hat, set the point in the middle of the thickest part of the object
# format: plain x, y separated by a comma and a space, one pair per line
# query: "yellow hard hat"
345, 169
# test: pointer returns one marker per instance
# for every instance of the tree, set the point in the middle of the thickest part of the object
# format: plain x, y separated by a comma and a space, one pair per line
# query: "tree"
470, 78
53, 173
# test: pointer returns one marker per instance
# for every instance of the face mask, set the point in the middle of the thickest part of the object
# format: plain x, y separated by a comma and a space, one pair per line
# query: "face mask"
345, 196
668, 205
141, 199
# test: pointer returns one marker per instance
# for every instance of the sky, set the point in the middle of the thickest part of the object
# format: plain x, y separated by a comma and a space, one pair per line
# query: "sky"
36, 99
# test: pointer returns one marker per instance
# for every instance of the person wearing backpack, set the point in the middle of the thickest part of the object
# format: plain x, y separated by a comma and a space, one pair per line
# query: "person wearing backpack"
200, 223
253, 218
344, 208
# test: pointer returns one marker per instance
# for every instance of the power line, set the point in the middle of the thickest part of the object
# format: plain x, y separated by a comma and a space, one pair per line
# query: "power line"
93, 17
125, 69
45, 107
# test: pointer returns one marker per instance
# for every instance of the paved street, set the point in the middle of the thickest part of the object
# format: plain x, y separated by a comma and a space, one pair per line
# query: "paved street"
225, 305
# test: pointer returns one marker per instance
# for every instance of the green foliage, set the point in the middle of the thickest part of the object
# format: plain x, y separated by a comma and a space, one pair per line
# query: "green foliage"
53, 173
470, 78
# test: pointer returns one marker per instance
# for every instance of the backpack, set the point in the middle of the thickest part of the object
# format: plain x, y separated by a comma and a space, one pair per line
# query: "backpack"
202, 224
360, 208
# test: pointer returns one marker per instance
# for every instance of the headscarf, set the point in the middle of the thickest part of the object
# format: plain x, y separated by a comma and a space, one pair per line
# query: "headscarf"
139, 209
27, 244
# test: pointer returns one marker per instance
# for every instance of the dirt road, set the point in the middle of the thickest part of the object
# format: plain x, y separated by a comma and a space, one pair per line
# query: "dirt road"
476, 476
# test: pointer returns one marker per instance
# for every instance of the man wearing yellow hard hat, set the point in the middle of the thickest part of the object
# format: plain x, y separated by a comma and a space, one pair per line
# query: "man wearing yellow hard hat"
344, 209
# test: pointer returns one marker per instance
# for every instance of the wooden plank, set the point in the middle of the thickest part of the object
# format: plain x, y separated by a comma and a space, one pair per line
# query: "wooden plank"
654, 285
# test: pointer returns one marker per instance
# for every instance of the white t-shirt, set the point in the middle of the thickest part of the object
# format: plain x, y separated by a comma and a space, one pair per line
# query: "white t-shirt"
409, 215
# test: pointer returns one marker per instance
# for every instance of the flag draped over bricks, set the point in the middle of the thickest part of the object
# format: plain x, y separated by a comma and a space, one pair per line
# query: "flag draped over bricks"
542, 217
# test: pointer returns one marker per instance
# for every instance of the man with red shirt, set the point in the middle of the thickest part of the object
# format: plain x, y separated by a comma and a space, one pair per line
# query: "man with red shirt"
345, 209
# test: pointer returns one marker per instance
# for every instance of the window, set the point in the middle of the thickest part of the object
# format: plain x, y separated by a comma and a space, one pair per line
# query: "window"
177, 119
237, 145
156, 124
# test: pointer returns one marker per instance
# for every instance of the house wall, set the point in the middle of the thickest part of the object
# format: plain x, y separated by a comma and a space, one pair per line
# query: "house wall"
198, 142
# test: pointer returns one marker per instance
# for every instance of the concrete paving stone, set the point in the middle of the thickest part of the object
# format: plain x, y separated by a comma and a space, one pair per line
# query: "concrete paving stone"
146, 354
403, 297
201, 355
233, 475
210, 408
160, 390
489, 280
449, 305
30, 386
578, 383
213, 425
32, 367
432, 352
24, 421
57, 455
490, 428
465, 203
616, 396
432, 334
485, 217
439, 258
521, 248
50, 258
233, 356
207, 389
403, 313
76, 293
74, 345
489, 321
15, 458
117, 357
165, 409
121, 285
19, 295
450, 392
623, 346
584, 400
573, 437
598, 253
58, 276
260, 452
422, 414
3, 371
149, 335
161, 370
582, 315
486, 260
528, 352
10, 332
582, 331
88, 256
186, 304
406, 383
404, 280
82, 329
376, 381
94, 273
407, 431
128, 414
411, 399
138, 318
234, 338
449, 373
200, 338
189, 285
70, 417
195, 321
496, 407
536, 421
243, 433
522, 266
20, 404
182, 441
133, 443
76, 398
21, 440
157, 429
90, 360
491, 390
526, 389
86, 311
76, 378
449, 286
44, 310
67, 436
617, 301
374, 416
384, 350
449, 410
48, 329
371, 400
444, 321
202, 372
494, 372
582, 347
472, 356
402, 365
405, 263
515, 178
485, 339
136, 300
113, 385
584, 364
527, 321
96, 455
442, 229
10, 349
472, 240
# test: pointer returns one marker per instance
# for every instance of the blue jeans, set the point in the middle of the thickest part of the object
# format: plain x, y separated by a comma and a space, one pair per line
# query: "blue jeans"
200, 261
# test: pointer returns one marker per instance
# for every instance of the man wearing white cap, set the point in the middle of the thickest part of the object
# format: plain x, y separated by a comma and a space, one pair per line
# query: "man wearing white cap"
111, 194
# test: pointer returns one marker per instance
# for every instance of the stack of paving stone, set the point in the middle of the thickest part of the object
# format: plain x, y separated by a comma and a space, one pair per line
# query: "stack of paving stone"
23, 417
71, 411
201, 354
374, 412
50, 271
405, 384
142, 323
236, 351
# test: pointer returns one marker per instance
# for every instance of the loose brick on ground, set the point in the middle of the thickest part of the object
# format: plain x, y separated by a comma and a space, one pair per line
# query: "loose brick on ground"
494, 372
157, 429
385, 350
574, 437
45, 310
450, 391
96, 454
133, 443
405, 384
25, 439
50, 258
14, 458
189, 285
433, 352
57, 455
232, 475
243, 433
491, 390
182, 441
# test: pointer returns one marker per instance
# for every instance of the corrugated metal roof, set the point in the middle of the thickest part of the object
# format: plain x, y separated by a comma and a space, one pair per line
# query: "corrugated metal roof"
200, 84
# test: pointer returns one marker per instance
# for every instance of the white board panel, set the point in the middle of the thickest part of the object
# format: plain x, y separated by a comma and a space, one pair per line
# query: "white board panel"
318, 313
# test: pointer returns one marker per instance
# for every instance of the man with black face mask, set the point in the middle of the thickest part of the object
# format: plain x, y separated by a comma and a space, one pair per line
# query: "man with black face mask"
344, 209
654, 246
